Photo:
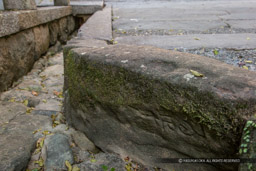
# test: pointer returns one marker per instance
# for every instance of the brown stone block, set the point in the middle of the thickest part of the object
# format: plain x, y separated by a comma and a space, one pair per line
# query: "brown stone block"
16, 57
19, 5
42, 40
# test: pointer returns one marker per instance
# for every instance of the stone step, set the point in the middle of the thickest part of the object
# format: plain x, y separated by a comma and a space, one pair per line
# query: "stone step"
86, 7
99, 26
194, 41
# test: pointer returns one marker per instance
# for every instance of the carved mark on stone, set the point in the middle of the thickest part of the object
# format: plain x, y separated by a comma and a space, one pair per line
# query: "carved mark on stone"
186, 129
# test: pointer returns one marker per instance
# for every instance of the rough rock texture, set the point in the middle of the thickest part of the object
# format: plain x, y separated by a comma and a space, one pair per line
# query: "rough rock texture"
42, 40
143, 102
86, 7
103, 159
99, 26
17, 139
19, 5
18, 52
83, 142
15, 21
16, 57
57, 152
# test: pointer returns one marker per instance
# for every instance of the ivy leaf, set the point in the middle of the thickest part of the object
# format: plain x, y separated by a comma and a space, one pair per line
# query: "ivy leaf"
105, 168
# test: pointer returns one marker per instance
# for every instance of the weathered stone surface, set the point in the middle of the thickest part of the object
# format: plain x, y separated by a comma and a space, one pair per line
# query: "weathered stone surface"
15, 21
19, 5
71, 23
98, 26
17, 139
103, 159
57, 152
16, 57
54, 32
61, 2
80, 42
86, 7
83, 142
138, 101
42, 40
63, 25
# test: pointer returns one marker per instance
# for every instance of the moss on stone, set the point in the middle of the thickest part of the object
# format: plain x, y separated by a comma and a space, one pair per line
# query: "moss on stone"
92, 82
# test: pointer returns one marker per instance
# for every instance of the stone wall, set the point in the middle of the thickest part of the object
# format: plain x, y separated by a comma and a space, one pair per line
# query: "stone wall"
143, 102
21, 47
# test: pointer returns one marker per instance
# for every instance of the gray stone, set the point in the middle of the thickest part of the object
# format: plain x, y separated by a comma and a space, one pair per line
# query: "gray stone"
42, 40
17, 139
15, 21
1, 5
86, 7
99, 26
63, 25
61, 2
54, 32
103, 159
83, 142
49, 105
19, 5
140, 104
57, 152
51, 71
16, 56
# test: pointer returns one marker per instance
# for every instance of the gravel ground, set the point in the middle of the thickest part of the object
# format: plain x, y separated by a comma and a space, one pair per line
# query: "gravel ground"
241, 58
161, 32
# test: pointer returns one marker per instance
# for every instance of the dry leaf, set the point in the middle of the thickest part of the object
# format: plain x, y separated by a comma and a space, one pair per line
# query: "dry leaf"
249, 62
196, 74
196, 38
46, 132
29, 110
40, 162
75, 168
58, 94
245, 67
12, 99
45, 101
68, 165
34, 93
37, 130
127, 158
25, 102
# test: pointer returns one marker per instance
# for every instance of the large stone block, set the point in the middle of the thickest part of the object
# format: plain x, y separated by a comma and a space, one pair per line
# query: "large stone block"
63, 26
19, 5
54, 31
42, 40
144, 102
61, 2
16, 57
15, 21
